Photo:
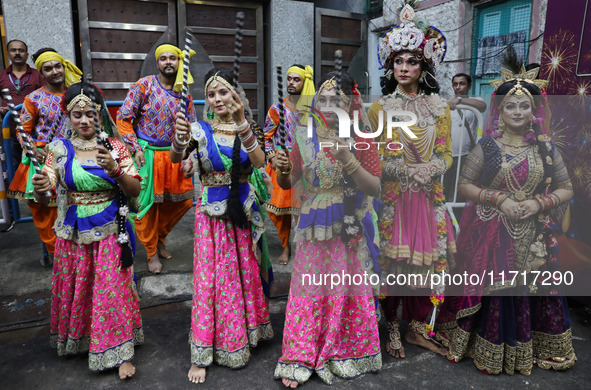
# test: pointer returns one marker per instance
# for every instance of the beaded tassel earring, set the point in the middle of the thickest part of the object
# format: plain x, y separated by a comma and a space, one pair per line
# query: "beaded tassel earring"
501, 126
210, 114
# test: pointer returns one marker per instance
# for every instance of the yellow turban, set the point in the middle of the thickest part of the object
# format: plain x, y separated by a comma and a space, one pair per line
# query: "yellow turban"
72, 73
166, 48
308, 90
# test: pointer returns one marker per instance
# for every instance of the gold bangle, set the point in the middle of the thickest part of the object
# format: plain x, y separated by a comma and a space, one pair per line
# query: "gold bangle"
288, 172
351, 167
501, 198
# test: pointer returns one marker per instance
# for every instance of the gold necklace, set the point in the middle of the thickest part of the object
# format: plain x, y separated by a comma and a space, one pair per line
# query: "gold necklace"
513, 141
329, 177
325, 133
521, 193
517, 230
223, 127
83, 144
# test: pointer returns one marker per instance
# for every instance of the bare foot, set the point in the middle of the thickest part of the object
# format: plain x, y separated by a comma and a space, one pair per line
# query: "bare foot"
165, 254
413, 338
398, 353
394, 345
197, 374
289, 383
154, 264
283, 258
126, 370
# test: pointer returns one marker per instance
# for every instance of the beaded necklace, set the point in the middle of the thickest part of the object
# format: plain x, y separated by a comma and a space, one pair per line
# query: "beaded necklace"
419, 104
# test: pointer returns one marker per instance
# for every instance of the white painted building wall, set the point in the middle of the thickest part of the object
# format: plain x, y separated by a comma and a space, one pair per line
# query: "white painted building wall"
41, 23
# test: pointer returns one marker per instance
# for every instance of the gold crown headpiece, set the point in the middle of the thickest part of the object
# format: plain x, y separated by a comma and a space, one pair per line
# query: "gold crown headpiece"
412, 35
526, 76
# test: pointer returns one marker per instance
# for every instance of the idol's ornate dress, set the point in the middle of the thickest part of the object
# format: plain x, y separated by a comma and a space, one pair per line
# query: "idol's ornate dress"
514, 331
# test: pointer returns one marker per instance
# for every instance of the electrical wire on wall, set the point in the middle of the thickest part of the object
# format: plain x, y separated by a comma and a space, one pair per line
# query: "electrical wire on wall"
390, 5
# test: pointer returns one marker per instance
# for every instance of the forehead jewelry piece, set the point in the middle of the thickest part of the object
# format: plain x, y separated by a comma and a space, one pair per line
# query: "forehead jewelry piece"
526, 76
81, 100
331, 84
328, 85
519, 91
215, 80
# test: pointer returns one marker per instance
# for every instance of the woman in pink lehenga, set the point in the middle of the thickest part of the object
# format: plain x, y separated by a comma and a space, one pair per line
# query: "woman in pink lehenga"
229, 313
94, 305
331, 330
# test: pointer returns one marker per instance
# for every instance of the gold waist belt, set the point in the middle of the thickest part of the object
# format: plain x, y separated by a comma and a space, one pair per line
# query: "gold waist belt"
221, 179
320, 190
90, 197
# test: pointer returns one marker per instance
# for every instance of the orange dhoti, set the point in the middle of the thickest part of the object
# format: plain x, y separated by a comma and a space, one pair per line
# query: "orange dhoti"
44, 216
159, 221
281, 207
173, 197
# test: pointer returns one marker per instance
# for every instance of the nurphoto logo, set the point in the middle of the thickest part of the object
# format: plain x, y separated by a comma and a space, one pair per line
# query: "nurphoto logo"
393, 120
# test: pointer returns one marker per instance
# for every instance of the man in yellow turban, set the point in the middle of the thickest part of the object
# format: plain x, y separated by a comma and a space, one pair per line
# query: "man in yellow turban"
300, 89
43, 120
146, 123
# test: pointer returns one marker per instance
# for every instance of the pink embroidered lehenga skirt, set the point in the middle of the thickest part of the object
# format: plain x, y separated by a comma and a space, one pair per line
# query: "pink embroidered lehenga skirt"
229, 314
414, 249
326, 331
94, 304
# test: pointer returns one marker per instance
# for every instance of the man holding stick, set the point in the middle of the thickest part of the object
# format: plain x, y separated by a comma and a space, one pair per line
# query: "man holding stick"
42, 120
300, 87
146, 123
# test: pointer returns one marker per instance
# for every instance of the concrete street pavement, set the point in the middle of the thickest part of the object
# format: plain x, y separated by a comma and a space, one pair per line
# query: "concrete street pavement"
27, 361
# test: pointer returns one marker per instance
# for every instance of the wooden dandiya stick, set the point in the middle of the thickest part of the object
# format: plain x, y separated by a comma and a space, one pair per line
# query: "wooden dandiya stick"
185, 88
53, 131
25, 137
338, 67
281, 128
102, 138
238, 45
